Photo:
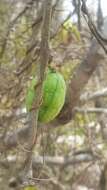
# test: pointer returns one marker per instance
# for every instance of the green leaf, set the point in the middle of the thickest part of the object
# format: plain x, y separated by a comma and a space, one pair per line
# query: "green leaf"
30, 188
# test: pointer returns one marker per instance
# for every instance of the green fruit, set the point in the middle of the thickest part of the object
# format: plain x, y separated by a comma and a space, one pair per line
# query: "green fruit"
54, 91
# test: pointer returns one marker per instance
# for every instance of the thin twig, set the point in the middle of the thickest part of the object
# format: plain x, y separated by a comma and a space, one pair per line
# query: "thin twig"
91, 110
44, 57
92, 27
93, 95
11, 24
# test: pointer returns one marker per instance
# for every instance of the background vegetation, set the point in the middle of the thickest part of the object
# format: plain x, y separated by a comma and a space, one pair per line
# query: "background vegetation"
69, 152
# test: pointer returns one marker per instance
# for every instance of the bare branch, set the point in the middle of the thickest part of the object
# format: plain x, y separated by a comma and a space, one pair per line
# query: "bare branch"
80, 77
11, 24
60, 161
90, 95
91, 110
44, 58
54, 161
92, 27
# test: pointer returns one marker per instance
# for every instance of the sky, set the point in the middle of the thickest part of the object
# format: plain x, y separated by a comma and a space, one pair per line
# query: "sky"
104, 7
91, 4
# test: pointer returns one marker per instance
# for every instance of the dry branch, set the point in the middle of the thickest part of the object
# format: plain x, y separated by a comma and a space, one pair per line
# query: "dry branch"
91, 110
12, 23
55, 160
61, 161
91, 96
81, 75
44, 58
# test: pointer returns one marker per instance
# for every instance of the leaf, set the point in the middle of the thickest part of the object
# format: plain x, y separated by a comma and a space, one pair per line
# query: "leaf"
76, 32
66, 33
30, 188
71, 29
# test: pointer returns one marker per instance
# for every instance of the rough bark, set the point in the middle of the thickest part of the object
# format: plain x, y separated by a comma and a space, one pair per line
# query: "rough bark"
81, 75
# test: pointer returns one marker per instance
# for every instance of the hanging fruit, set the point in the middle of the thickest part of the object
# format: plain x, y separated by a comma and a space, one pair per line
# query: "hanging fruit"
54, 91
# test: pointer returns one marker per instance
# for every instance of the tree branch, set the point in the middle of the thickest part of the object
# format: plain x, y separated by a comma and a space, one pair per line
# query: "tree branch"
93, 95
44, 58
54, 161
61, 161
80, 78
91, 110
